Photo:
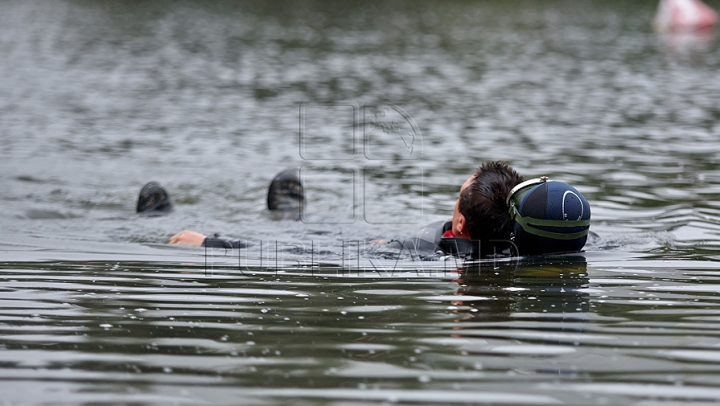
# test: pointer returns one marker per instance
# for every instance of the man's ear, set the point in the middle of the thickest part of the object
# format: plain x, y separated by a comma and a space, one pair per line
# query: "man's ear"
461, 227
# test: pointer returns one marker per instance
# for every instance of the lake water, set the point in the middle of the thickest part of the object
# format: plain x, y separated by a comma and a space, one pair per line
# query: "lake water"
386, 108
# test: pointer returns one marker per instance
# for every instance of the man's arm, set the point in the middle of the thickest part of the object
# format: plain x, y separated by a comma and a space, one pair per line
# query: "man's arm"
188, 238
192, 239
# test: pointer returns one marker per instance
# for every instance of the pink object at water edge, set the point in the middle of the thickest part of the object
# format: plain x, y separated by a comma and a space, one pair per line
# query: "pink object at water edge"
684, 16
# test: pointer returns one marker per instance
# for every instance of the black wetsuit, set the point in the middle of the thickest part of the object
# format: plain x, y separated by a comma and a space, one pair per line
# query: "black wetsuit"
436, 240
218, 242
429, 243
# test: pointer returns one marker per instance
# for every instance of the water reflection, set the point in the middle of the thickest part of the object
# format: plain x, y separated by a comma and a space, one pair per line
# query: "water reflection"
688, 44
151, 327
547, 285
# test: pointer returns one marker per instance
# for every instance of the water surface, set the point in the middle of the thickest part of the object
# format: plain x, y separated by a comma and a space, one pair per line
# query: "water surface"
387, 108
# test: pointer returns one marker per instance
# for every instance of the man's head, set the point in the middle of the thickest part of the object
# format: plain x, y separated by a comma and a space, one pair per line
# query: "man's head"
481, 212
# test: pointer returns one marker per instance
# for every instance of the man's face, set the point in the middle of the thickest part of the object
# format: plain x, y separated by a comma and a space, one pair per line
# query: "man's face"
458, 220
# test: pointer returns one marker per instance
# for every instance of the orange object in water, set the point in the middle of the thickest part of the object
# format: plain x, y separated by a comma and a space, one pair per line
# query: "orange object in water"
684, 15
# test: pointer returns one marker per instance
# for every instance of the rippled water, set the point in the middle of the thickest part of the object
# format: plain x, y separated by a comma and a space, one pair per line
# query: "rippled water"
386, 108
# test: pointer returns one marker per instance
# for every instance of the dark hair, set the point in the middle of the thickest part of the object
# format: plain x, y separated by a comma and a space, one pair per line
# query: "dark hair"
483, 202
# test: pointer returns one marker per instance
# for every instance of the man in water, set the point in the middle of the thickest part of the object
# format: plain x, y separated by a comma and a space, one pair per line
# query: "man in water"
480, 222
481, 213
